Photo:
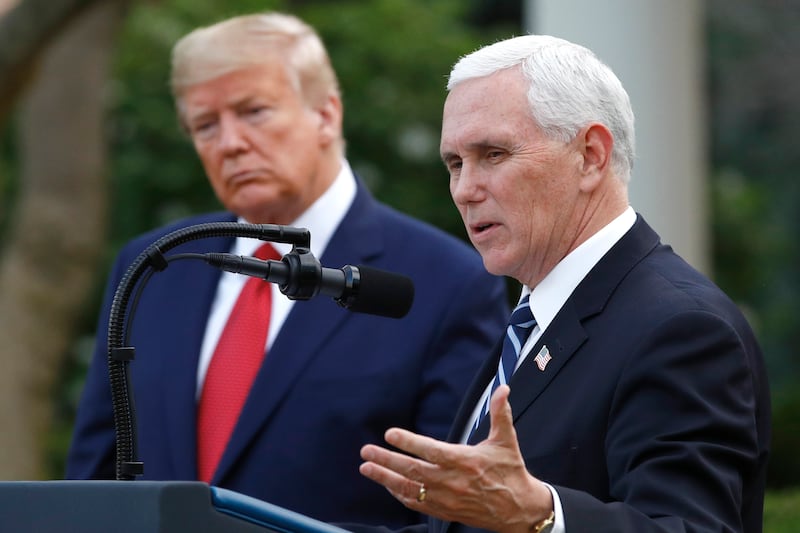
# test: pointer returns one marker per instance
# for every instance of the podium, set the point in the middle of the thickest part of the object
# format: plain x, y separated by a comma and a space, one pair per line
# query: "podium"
143, 507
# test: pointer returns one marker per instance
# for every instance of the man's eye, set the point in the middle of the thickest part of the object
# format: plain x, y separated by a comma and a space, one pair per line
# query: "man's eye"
256, 112
203, 129
454, 165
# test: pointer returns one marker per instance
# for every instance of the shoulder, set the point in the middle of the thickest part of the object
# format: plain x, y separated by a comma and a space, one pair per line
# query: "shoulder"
679, 285
640, 264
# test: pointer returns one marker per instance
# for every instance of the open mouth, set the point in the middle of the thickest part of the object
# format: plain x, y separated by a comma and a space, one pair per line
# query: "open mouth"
480, 228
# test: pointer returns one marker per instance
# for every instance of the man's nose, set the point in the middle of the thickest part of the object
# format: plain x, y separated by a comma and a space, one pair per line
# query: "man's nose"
468, 186
232, 136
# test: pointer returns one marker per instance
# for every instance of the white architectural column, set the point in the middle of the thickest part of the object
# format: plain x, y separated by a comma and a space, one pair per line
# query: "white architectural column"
657, 49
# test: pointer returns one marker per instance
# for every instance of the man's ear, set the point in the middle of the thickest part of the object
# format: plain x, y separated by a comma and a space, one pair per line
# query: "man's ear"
330, 125
596, 143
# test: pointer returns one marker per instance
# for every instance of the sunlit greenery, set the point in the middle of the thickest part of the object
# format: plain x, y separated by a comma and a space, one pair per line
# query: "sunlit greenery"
782, 512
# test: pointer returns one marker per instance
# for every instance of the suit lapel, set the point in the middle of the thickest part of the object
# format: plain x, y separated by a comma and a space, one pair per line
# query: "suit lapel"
563, 337
566, 333
560, 343
355, 241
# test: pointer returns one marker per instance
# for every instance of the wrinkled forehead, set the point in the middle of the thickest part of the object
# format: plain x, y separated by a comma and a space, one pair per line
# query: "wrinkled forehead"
477, 105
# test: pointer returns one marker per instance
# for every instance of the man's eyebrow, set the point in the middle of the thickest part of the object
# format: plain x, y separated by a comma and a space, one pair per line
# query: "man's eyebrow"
200, 115
244, 100
477, 146
447, 156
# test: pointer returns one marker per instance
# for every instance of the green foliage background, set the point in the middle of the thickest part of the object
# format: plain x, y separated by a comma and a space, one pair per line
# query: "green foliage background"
753, 82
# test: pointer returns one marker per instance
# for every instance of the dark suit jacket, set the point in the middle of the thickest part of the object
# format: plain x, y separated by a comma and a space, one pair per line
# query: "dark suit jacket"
653, 414
332, 381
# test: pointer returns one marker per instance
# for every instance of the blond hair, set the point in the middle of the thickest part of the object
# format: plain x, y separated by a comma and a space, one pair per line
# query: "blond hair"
248, 40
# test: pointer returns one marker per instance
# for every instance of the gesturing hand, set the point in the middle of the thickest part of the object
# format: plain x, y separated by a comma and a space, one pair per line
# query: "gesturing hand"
484, 486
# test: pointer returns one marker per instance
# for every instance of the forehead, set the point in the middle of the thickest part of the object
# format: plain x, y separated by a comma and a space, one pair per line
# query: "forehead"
494, 103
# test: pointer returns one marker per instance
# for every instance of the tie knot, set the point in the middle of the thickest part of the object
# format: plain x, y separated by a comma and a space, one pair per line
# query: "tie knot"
266, 251
522, 317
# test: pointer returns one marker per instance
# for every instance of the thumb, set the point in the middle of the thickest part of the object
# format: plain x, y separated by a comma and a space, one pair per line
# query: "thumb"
502, 420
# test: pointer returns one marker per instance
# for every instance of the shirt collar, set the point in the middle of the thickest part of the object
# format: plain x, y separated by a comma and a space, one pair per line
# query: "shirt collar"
552, 292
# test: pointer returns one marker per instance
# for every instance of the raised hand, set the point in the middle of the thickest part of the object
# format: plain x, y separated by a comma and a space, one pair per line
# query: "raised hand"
485, 485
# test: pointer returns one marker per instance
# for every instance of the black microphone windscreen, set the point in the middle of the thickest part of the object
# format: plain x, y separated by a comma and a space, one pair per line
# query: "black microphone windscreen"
383, 293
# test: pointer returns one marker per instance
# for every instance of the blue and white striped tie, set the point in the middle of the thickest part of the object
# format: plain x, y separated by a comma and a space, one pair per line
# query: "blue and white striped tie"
519, 328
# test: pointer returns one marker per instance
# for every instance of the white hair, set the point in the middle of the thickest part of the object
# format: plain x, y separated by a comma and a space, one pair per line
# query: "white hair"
568, 88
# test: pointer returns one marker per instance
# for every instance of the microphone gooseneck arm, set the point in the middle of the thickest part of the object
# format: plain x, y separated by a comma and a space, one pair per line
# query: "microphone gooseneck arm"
119, 355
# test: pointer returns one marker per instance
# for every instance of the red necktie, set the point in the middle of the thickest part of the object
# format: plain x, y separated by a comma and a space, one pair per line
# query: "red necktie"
233, 369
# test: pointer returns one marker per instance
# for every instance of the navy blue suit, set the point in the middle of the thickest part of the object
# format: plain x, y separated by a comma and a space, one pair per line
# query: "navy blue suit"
653, 414
332, 380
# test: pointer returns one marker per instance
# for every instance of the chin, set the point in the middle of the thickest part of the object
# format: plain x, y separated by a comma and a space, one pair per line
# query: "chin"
253, 209
499, 264
493, 266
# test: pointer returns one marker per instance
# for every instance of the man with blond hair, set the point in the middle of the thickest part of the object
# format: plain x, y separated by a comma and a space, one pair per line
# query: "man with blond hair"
261, 104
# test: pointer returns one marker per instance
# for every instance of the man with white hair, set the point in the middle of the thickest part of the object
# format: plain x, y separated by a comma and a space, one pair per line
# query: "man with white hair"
630, 394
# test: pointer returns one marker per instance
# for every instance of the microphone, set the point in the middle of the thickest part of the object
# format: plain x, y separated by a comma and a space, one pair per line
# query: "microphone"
361, 289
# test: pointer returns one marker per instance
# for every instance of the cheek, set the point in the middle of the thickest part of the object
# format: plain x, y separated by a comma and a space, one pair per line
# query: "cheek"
214, 175
462, 211
207, 155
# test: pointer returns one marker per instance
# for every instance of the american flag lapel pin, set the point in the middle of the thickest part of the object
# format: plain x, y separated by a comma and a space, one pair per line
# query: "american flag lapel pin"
542, 358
